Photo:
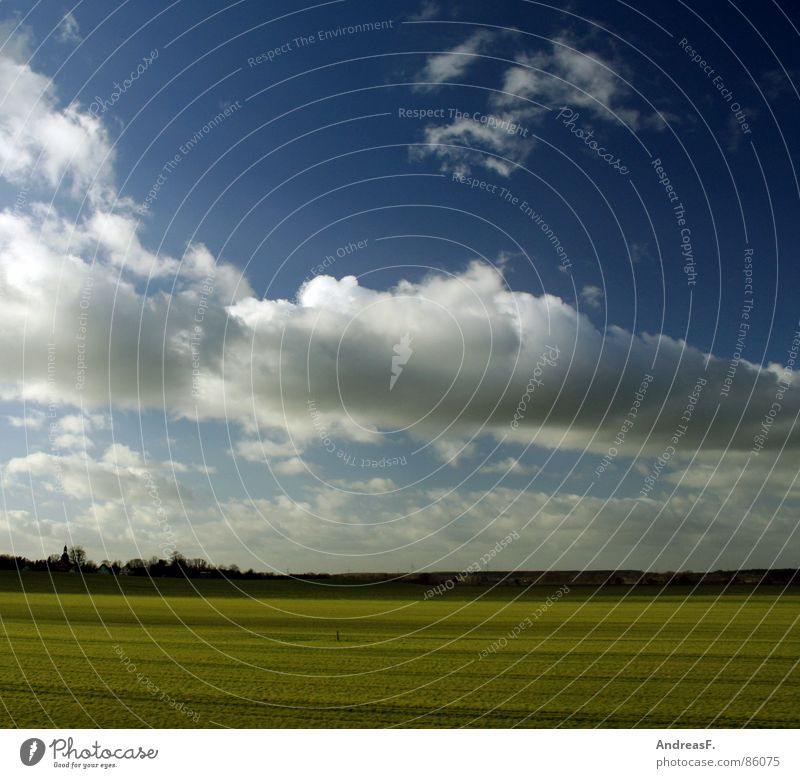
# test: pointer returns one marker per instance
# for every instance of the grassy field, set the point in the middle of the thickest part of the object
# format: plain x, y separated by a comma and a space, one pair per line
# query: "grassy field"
128, 653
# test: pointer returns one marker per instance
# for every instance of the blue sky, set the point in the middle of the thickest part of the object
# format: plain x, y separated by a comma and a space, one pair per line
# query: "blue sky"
226, 251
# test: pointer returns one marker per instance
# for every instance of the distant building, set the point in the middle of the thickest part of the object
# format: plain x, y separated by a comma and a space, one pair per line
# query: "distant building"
63, 565
105, 569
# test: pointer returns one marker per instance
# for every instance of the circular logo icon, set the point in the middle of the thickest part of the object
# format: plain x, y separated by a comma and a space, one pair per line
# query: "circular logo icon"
31, 751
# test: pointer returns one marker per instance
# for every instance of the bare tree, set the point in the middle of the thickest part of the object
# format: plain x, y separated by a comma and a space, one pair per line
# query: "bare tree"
77, 555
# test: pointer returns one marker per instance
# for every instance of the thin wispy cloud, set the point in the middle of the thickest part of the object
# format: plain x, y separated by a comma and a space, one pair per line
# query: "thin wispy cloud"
69, 29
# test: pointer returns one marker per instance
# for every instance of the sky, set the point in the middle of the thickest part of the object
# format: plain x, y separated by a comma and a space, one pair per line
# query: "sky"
345, 286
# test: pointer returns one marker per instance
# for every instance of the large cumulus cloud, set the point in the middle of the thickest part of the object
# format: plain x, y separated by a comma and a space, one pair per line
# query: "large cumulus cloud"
485, 359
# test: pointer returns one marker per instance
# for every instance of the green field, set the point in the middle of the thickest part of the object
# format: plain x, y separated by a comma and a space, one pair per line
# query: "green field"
206, 654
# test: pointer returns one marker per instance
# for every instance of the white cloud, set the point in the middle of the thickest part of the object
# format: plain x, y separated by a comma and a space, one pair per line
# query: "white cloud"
511, 466
16, 41
32, 420
572, 74
80, 423
563, 530
453, 451
428, 10
264, 449
562, 73
119, 474
292, 466
593, 296
73, 431
69, 30
72, 442
41, 141
461, 145
368, 486
476, 344
452, 65
87, 309
120, 455
327, 531
70, 431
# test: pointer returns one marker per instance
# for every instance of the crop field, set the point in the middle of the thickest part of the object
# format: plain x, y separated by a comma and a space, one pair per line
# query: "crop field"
130, 653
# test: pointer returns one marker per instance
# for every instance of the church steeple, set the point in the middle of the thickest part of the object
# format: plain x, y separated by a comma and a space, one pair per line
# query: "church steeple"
65, 557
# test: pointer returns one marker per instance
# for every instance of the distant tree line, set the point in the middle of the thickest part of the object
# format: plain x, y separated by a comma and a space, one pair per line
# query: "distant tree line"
596, 578
75, 559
